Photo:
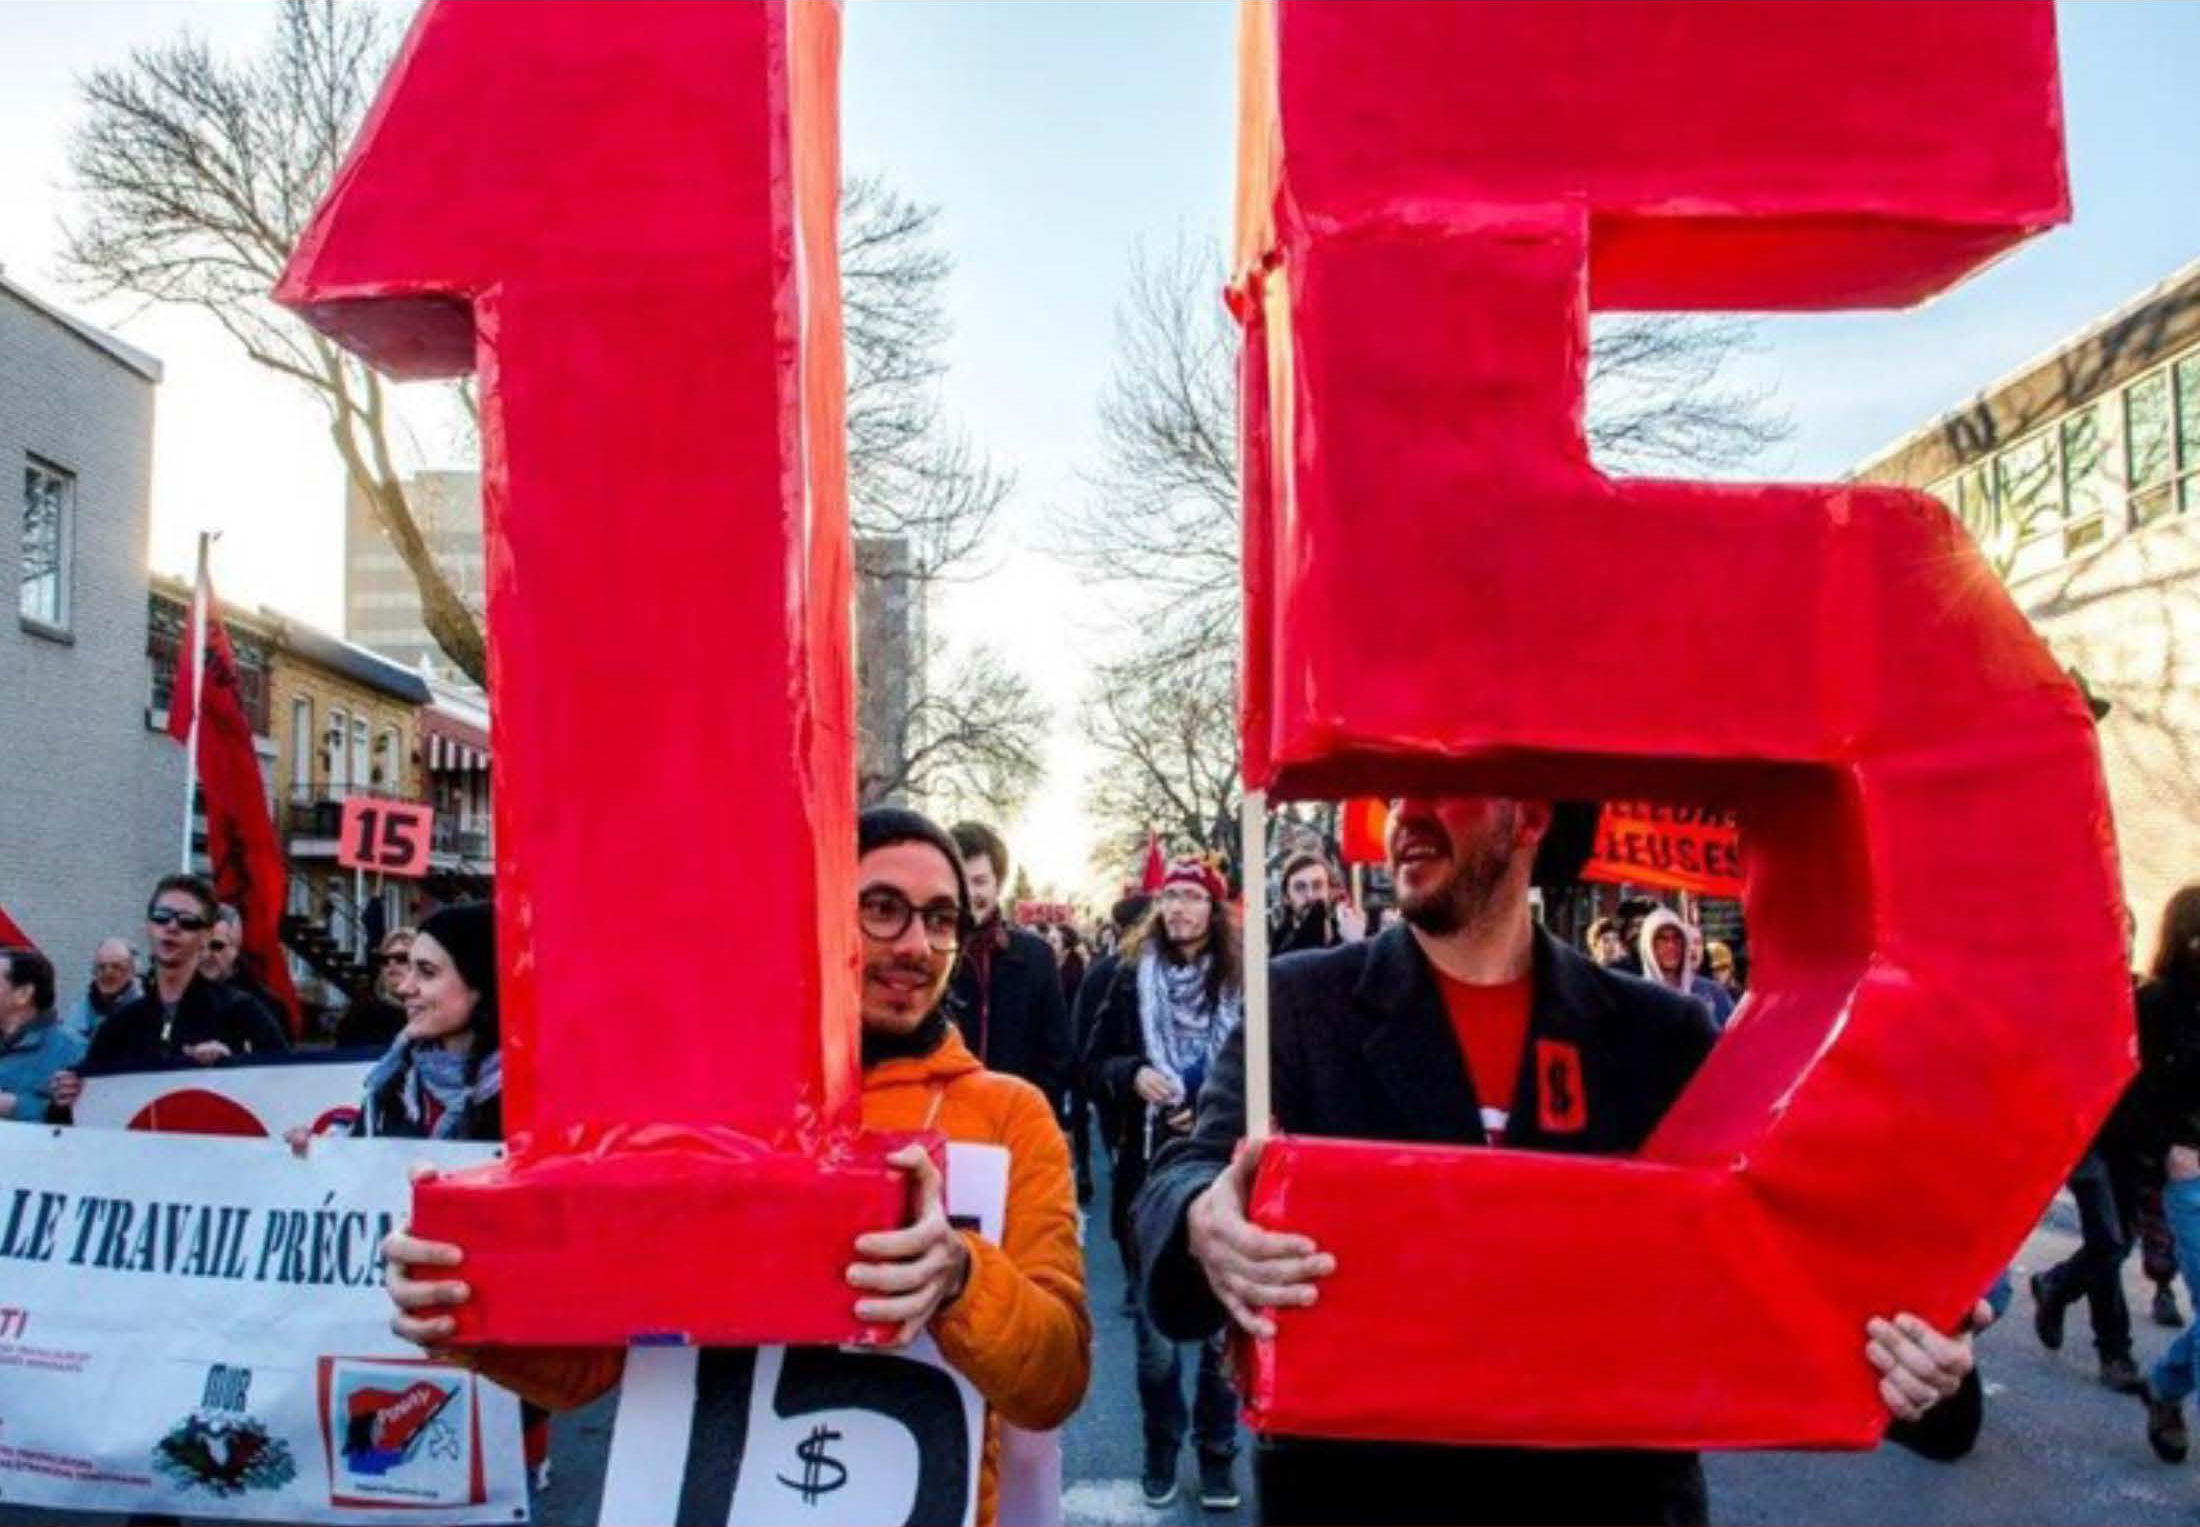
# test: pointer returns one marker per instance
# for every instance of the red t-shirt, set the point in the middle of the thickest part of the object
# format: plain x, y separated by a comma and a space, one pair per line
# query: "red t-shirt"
1492, 1025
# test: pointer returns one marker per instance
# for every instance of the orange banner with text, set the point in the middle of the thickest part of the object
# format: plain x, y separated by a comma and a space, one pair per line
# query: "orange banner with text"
1675, 848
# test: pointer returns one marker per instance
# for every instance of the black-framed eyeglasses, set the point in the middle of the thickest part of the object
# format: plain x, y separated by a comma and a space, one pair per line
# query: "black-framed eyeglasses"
393, 959
885, 914
189, 922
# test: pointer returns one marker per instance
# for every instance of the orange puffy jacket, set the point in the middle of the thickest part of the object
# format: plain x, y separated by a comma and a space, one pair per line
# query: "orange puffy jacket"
1020, 1332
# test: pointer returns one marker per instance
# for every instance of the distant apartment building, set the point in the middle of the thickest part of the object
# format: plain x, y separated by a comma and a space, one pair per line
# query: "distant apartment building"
2079, 476
890, 677
381, 601
92, 809
382, 609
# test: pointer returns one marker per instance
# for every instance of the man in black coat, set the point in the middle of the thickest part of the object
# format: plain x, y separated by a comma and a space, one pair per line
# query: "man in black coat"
1380, 1040
223, 961
1007, 992
183, 1015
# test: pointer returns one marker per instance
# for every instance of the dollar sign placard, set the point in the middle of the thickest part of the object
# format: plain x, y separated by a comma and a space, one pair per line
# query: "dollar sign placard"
1444, 594
623, 218
821, 1473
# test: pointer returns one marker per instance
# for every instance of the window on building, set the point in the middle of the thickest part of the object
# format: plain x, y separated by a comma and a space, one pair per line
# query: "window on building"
1975, 503
49, 532
2149, 447
2188, 433
387, 775
2089, 484
301, 748
334, 744
362, 765
2028, 486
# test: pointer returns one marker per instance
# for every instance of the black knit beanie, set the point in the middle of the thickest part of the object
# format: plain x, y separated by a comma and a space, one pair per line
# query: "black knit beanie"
468, 933
881, 826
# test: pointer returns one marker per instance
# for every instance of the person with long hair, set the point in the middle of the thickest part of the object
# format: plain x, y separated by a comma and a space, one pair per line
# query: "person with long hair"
442, 1079
2169, 1085
1174, 998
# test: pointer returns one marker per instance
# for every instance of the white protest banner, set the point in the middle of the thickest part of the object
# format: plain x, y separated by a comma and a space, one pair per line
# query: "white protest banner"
255, 1099
823, 1436
197, 1326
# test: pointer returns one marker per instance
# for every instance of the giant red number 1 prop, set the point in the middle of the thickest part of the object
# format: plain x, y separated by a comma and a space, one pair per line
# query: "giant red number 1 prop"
624, 215
1444, 594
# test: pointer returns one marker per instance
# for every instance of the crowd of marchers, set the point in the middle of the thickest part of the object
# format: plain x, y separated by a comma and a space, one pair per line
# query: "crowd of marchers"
969, 1022
1124, 1044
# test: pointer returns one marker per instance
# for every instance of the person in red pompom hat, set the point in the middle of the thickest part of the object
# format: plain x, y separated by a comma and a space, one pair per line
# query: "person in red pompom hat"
1174, 998
1188, 870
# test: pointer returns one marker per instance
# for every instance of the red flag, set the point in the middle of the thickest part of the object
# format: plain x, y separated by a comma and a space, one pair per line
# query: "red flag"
183, 693
1157, 865
240, 837
13, 935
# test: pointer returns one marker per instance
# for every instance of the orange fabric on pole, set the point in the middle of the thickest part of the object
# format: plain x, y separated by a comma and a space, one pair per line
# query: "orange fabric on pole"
1364, 831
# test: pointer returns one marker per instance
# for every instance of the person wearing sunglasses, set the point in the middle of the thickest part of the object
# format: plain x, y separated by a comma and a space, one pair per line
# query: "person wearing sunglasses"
376, 1016
1011, 1318
182, 1016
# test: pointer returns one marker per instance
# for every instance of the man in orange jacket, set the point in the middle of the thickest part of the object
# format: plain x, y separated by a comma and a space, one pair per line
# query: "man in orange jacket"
1010, 1318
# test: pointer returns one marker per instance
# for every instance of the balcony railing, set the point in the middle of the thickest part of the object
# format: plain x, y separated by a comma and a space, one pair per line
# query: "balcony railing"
320, 815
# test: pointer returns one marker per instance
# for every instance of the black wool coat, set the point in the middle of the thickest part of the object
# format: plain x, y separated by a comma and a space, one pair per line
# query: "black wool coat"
1019, 1024
1361, 1047
139, 1036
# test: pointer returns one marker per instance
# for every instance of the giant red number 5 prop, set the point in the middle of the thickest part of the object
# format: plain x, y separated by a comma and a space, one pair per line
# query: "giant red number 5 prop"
624, 215
1444, 594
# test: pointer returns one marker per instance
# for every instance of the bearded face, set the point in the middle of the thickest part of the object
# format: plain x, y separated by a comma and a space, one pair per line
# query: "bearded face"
1449, 856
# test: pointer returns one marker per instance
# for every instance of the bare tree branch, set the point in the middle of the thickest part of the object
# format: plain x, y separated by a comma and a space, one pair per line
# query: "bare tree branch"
1158, 527
976, 741
196, 177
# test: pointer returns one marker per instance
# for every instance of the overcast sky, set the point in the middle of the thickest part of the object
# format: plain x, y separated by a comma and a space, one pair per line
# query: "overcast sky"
1056, 137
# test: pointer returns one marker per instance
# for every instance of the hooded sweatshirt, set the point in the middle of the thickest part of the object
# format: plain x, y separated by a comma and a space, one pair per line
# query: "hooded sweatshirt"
1020, 1331
1705, 990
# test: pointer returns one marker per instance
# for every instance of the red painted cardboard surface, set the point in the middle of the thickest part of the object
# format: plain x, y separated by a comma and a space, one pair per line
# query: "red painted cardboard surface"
623, 218
1444, 594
